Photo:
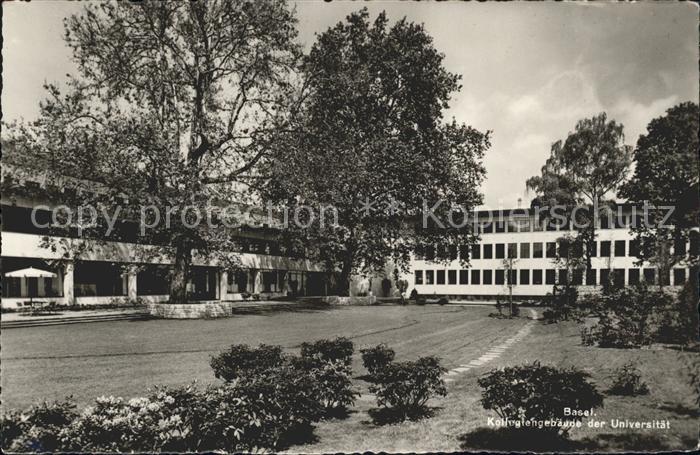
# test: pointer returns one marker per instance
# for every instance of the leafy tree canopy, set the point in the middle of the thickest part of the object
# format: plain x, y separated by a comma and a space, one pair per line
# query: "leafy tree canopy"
372, 142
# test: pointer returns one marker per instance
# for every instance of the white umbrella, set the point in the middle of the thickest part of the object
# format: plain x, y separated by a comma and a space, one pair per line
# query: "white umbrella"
30, 272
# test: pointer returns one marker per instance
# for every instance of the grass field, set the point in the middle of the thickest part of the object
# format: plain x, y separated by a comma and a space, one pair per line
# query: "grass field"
127, 357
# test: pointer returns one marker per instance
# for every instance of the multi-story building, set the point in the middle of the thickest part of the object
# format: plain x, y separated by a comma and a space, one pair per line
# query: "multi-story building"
110, 273
518, 241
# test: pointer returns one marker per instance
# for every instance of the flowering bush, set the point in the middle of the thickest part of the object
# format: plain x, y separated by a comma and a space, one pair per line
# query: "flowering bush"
407, 386
376, 358
536, 392
339, 349
38, 429
332, 382
241, 359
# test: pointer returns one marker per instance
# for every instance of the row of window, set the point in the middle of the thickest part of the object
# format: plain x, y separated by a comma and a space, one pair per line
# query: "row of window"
604, 248
549, 276
530, 224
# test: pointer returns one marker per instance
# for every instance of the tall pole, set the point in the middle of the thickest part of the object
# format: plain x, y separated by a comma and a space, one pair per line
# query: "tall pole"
510, 285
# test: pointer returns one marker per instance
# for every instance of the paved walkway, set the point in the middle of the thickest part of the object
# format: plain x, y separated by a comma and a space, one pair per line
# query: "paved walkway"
495, 351
492, 354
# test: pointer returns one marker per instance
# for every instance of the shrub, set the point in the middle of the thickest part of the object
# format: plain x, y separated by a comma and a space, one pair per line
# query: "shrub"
627, 317
261, 412
627, 380
332, 382
406, 387
38, 429
421, 300
254, 413
339, 349
536, 392
443, 301
413, 295
241, 360
376, 358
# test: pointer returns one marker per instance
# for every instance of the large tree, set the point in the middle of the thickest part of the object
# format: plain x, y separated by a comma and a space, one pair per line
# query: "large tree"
581, 172
175, 104
372, 142
666, 177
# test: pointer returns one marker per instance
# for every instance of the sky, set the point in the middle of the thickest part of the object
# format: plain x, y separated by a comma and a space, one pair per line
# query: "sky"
529, 70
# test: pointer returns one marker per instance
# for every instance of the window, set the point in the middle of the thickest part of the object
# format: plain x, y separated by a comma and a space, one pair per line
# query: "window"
512, 225
577, 277
604, 277
452, 249
591, 277
563, 248
488, 251
563, 276
619, 248
678, 276
440, 277
500, 226
550, 276
429, 277
525, 250
270, 280
694, 243
634, 248
464, 252
551, 225
524, 276
605, 249
537, 250
513, 277
476, 251
464, 277
537, 277
451, 277
429, 252
512, 250
487, 228
524, 225
476, 278
500, 251
551, 249
487, 278
418, 276
536, 225
650, 276
419, 252
679, 247
633, 276
619, 278
500, 276
594, 249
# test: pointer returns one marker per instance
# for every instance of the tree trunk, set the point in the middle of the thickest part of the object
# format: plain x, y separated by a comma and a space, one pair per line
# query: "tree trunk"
178, 283
343, 286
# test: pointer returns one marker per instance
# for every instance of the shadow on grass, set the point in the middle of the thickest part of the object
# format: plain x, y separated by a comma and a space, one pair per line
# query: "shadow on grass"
300, 435
389, 416
280, 308
529, 440
680, 409
338, 413
516, 440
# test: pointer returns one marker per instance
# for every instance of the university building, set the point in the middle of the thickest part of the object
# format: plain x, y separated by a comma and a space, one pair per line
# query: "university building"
518, 252
109, 273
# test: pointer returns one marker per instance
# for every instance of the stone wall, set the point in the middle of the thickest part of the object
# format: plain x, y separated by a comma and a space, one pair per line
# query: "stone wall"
353, 300
208, 310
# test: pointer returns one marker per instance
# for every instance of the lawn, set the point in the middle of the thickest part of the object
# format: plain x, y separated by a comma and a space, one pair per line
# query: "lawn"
127, 357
